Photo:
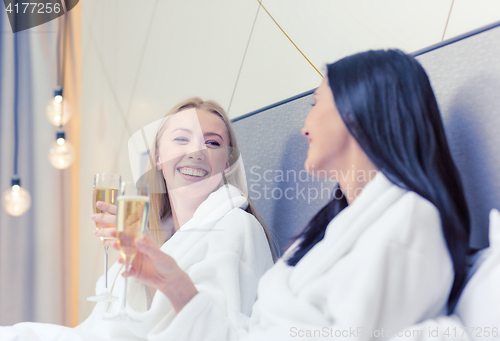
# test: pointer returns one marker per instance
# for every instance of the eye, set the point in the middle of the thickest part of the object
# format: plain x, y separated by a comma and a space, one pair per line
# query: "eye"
212, 144
181, 140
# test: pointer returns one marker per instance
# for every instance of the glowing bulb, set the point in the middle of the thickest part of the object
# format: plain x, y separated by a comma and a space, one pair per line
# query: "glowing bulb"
16, 200
58, 109
62, 153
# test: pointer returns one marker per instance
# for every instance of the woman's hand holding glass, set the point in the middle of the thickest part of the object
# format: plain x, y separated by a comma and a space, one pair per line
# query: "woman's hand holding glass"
105, 191
131, 220
106, 223
158, 270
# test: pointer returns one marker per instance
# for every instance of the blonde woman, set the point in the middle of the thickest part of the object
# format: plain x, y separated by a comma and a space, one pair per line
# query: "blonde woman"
201, 216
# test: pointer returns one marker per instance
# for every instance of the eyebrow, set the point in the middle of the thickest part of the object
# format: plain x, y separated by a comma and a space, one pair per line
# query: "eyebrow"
183, 129
206, 134
211, 134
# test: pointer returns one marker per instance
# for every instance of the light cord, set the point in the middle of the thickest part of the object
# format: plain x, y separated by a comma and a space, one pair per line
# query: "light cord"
16, 96
62, 66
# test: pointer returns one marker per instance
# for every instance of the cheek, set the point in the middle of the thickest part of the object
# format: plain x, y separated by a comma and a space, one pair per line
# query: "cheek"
168, 166
218, 160
170, 152
213, 182
342, 136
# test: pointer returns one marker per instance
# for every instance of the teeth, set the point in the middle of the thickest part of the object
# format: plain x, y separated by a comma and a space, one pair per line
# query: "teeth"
193, 171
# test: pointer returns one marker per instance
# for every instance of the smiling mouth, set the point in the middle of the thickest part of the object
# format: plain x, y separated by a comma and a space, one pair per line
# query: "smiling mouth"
194, 172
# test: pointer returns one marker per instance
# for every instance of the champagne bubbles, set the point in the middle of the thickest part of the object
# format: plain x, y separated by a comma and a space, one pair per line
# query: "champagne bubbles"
16, 200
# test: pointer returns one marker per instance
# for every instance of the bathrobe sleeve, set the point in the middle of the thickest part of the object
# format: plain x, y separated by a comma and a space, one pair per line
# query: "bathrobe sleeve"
232, 259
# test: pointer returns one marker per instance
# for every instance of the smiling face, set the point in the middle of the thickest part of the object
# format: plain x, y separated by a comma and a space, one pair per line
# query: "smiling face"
193, 151
330, 142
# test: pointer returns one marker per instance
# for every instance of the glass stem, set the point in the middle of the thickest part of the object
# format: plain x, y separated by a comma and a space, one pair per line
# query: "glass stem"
125, 294
106, 266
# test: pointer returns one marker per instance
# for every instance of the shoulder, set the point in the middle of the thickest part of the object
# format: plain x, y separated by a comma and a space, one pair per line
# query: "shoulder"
413, 210
408, 237
413, 203
242, 233
240, 225
413, 222
237, 217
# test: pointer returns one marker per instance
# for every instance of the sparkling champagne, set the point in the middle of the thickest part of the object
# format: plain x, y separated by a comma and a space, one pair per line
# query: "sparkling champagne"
104, 194
131, 222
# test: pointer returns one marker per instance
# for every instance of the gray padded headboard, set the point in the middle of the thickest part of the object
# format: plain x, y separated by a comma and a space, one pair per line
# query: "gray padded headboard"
465, 75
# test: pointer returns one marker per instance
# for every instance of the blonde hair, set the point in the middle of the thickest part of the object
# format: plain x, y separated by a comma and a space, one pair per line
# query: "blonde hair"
160, 208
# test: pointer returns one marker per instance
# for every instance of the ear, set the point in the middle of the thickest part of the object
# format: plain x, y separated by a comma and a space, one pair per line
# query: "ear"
158, 162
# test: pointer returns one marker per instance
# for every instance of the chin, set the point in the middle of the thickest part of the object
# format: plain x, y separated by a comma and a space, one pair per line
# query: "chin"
310, 166
199, 189
192, 191
316, 169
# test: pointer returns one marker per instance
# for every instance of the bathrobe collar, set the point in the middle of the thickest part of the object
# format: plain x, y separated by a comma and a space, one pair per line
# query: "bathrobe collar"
343, 231
217, 205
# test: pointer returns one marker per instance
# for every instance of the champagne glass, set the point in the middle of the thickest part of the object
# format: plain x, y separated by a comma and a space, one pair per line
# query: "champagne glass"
106, 187
132, 219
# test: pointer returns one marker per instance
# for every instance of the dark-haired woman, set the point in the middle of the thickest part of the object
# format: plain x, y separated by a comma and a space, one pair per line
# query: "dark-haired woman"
390, 252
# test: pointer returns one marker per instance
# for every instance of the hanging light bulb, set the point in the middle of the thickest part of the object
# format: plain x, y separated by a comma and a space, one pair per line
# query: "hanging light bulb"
16, 200
62, 153
58, 109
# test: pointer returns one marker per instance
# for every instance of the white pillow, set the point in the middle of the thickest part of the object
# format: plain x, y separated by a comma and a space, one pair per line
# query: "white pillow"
479, 304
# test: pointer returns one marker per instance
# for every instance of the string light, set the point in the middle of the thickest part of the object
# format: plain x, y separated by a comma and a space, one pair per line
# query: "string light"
62, 153
16, 200
56, 107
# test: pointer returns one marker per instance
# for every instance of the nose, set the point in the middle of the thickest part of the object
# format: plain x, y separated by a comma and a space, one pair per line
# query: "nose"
198, 155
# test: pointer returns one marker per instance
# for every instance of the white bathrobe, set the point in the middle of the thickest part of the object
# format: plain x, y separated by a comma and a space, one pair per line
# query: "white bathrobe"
224, 251
477, 316
382, 265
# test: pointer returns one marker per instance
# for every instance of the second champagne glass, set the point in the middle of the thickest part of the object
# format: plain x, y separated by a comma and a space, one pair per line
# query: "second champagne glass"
106, 187
131, 222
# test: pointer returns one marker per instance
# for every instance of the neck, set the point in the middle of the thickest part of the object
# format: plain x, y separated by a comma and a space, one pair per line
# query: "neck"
183, 207
354, 176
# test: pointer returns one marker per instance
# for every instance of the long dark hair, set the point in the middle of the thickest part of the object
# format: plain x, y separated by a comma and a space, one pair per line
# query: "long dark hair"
386, 101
